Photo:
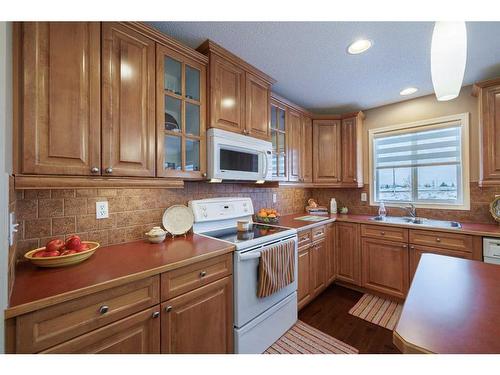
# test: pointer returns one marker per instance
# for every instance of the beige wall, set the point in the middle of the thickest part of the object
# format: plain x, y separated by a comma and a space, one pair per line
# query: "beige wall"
423, 108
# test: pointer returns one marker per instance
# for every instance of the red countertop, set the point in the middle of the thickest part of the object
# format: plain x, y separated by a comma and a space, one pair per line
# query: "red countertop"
453, 306
110, 266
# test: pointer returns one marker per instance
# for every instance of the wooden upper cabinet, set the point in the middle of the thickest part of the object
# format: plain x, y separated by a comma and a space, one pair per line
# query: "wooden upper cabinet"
239, 94
307, 150
489, 120
128, 105
59, 97
351, 138
227, 92
279, 131
326, 151
294, 146
257, 107
181, 113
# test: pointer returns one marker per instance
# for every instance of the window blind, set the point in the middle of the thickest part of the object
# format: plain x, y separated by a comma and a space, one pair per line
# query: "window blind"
418, 148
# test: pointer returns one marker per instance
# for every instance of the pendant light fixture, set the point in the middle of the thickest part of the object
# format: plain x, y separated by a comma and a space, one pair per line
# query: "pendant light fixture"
448, 58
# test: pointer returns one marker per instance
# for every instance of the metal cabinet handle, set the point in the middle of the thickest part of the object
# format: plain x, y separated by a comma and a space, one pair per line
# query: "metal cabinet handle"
168, 308
203, 273
94, 170
382, 233
156, 314
438, 239
412, 247
108, 170
104, 309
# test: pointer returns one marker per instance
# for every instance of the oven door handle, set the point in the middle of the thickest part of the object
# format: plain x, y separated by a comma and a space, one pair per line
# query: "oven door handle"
253, 255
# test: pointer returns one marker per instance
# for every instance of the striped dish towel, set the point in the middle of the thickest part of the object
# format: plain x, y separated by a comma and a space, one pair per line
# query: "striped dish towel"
276, 268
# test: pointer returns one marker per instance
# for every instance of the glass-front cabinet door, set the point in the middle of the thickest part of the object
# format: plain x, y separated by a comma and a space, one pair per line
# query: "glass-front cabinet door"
278, 137
181, 83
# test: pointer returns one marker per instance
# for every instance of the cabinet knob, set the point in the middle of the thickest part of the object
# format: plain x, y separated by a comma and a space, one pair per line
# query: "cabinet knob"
156, 314
203, 273
355, 179
405, 246
94, 170
104, 309
204, 175
382, 233
168, 308
412, 247
108, 170
438, 239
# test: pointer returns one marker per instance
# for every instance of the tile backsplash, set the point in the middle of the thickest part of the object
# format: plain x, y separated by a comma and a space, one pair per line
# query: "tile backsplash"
46, 214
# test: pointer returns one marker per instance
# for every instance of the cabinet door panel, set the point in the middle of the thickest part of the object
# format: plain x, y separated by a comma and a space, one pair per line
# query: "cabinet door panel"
61, 98
348, 253
326, 151
200, 321
490, 128
294, 145
349, 146
137, 334
417, 251
318, 267
257, 108
385, 266
330, 253
304, 277
307, 150
227, 89
128, 118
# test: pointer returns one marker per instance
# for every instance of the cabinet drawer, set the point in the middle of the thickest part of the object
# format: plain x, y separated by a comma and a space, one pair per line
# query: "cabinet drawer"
452, 241
55, 324
385, 232
304, 238
187, 278
318, 233
136, 334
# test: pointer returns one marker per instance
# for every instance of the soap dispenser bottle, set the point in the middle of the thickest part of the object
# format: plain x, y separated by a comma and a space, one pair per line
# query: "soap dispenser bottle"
333, 206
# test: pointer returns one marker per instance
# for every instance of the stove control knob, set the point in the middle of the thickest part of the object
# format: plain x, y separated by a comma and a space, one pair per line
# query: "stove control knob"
205, 214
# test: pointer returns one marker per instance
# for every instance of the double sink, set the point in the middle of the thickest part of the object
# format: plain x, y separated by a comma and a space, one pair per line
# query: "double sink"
418, 221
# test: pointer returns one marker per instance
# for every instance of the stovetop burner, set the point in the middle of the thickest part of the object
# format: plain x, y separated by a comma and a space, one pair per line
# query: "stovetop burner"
232, 235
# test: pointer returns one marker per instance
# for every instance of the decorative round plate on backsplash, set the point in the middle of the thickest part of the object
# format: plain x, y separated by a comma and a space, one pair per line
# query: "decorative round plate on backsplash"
178, 219
495, 208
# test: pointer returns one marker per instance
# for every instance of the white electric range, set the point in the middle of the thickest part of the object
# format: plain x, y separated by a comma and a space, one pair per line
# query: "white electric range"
258, 322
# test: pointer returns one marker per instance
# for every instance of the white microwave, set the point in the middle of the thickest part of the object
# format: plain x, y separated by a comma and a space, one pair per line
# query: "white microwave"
233, 156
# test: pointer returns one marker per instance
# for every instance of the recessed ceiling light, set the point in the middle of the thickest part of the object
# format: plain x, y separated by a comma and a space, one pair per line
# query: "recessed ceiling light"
359, 46
408, 91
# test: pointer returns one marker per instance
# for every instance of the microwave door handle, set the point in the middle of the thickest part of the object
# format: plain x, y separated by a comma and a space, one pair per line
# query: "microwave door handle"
253, 255
265, 165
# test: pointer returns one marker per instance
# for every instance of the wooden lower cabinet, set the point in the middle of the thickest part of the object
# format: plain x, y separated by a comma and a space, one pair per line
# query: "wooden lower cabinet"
318, 267
137, 334
330, 253
304, 277
417, 251
199, 321
348, 253
385, 266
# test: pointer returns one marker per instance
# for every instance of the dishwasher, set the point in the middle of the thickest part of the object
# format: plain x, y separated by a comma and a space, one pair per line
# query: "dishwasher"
491, 250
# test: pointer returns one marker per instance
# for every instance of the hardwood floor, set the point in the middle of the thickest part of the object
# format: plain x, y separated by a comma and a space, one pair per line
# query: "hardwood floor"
329, 313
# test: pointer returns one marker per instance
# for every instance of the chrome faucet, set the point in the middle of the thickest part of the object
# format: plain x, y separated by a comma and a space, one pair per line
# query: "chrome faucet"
411, 209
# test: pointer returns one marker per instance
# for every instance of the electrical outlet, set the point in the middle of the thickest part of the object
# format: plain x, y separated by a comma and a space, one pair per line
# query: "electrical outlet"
364, 198
274, 198
101, 210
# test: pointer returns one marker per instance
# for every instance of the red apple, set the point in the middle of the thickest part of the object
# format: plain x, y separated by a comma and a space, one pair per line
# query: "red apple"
54, 253
54, 245
39, 254
73, 243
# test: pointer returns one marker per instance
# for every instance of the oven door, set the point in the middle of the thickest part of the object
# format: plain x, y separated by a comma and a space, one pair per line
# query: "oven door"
247, 305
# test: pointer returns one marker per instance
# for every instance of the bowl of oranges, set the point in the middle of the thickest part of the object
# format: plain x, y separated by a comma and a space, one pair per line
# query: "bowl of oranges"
267, 216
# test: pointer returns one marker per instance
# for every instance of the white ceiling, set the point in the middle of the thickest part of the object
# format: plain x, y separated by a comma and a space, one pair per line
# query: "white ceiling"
310, 63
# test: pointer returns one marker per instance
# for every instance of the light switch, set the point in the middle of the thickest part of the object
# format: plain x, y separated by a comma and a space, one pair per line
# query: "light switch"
364, 198
101, 210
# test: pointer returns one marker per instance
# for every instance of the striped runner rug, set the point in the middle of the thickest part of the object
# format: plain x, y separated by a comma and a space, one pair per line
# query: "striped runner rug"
377, 310
304, 339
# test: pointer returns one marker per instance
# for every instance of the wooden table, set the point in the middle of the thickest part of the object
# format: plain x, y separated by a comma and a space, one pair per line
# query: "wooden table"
453, 306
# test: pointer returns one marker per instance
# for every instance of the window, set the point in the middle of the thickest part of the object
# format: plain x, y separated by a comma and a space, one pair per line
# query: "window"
424, 163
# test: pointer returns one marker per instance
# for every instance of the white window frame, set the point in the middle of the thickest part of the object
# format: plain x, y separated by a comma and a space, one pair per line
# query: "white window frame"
438, 122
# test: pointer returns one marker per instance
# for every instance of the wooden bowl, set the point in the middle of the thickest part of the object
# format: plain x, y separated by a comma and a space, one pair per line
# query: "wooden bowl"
62, 260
